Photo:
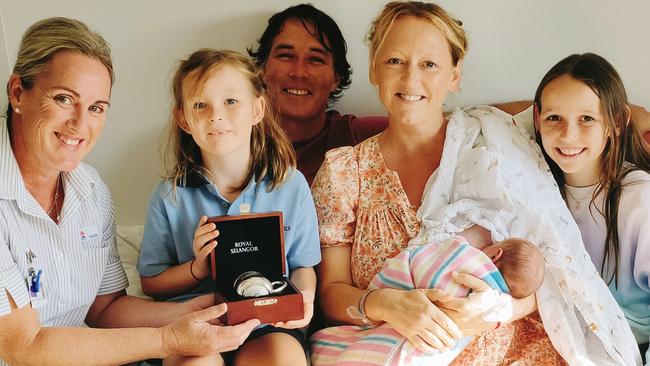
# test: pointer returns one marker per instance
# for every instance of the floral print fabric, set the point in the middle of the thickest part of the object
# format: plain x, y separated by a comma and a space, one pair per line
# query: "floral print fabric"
361, 203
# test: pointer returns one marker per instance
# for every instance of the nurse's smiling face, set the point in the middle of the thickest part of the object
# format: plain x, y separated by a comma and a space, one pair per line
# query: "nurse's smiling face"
58, 120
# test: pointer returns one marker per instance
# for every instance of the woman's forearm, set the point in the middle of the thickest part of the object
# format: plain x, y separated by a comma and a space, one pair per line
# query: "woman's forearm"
128, 311
336, 298
337, 293
25, 342
87, 346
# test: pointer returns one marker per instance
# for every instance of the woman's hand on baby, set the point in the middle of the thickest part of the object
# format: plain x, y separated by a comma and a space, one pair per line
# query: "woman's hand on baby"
204, 242
413, 314
469, 312
308, 303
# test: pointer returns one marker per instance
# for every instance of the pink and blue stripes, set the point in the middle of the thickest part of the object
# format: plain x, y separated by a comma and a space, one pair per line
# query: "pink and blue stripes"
426, 266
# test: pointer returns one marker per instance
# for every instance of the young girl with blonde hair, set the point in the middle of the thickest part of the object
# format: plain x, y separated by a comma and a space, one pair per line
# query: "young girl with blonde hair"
230, 156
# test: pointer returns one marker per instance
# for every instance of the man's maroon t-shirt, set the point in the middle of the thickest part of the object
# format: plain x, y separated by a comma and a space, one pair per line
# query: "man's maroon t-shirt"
340, 130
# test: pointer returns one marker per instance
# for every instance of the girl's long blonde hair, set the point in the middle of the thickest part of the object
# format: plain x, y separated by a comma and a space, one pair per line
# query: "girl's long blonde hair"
272, 154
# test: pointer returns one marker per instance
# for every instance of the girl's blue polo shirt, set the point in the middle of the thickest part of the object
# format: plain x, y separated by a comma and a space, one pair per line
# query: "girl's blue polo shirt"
171, 222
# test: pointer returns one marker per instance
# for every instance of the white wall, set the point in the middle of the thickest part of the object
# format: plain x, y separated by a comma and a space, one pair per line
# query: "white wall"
512, 44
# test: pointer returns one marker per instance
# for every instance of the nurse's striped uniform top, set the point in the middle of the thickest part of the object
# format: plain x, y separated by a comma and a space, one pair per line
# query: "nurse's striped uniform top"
78, 257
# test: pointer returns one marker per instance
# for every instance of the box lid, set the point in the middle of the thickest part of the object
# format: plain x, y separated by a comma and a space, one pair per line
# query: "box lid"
251, 242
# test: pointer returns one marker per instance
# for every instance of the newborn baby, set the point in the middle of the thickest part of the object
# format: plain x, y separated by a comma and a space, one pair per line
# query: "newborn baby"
513, 266
520, 263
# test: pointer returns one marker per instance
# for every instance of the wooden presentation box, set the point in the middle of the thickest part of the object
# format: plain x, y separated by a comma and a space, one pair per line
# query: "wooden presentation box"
253, 242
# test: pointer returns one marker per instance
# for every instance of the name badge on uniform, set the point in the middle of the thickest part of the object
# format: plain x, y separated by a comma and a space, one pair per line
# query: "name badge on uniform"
88, 232
34, 281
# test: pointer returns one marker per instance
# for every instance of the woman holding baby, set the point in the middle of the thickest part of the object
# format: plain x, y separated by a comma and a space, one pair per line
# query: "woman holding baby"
369, 198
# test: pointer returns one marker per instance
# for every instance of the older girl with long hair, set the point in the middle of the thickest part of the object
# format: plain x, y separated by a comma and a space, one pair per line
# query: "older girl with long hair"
598, 158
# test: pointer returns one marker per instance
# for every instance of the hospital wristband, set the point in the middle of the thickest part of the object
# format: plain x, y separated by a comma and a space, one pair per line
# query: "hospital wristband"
360, 312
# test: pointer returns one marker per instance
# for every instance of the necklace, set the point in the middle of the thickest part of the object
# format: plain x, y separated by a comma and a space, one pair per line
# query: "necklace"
55, 206
578, 200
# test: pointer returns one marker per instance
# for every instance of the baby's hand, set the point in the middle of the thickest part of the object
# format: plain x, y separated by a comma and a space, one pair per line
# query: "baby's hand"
202, 245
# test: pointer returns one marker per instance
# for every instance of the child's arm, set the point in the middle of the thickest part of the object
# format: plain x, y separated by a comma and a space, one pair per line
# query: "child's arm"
173, 281
305, 253
181, 278
305, 281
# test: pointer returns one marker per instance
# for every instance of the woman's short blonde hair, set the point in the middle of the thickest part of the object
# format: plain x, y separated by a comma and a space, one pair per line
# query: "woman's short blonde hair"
451, 28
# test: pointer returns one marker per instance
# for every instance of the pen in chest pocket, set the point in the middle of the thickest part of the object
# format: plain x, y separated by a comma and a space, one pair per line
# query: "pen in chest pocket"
34, 279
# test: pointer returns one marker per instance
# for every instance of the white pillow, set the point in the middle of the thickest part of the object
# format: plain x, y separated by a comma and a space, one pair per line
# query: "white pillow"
128, 246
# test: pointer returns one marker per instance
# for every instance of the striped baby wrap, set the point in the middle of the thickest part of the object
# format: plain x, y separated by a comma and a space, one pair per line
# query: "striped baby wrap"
426, 266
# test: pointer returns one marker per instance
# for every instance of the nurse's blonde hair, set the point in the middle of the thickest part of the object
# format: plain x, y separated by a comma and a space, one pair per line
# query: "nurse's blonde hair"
47, 37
